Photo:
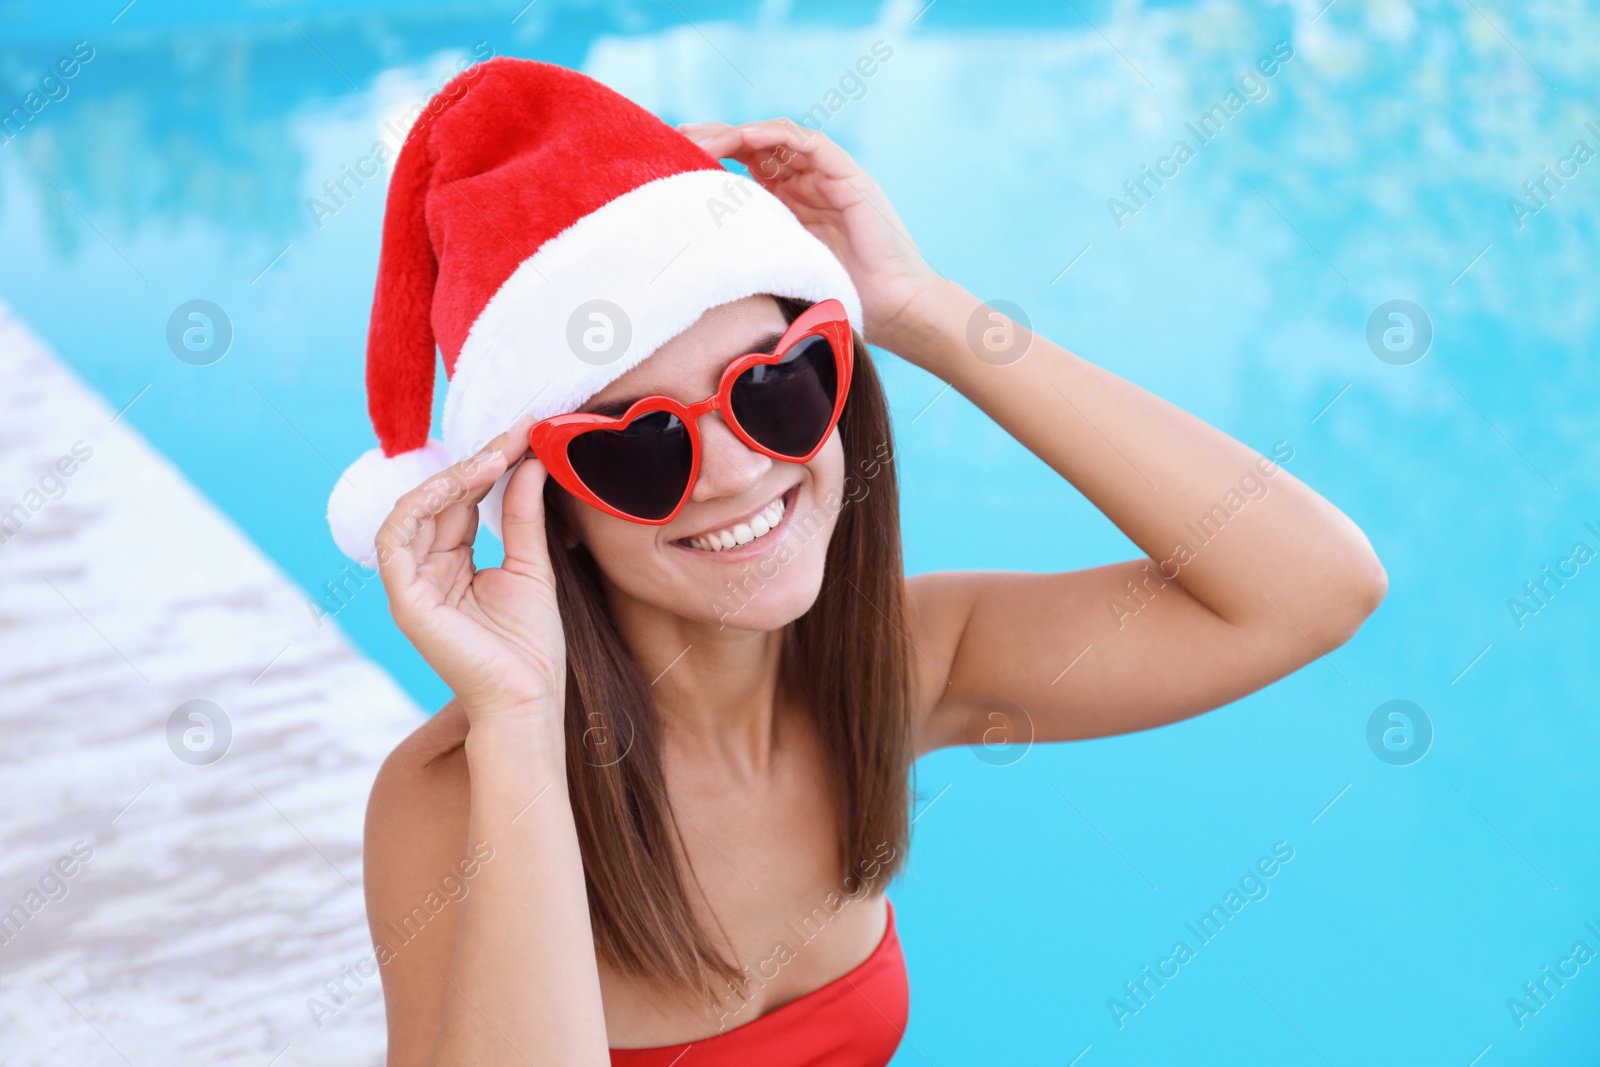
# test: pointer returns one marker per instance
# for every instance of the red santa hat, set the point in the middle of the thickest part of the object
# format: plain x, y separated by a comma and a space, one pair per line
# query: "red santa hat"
532, 213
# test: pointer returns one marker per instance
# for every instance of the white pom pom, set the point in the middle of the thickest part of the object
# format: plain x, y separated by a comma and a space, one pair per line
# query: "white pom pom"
366, 494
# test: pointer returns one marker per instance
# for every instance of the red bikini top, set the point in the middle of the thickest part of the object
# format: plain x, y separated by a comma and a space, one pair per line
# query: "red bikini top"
854, 1021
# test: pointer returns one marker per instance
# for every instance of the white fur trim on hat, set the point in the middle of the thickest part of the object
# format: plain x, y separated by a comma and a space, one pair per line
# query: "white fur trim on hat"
367, 491
664, 253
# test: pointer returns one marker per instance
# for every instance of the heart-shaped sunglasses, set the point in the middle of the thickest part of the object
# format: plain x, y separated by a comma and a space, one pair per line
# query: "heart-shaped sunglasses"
641, 465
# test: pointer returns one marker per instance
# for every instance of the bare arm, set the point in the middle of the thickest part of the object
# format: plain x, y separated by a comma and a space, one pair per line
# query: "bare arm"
1248, 574
510, 977
524, 987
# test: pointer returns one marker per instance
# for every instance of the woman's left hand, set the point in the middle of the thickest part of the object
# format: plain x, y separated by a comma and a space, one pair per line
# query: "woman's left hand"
841, 205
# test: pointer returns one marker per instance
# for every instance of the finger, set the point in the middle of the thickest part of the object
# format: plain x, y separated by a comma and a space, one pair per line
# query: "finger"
412, 530
456, 525
722, 139
699, 131
522, 520
465, 484
474, 516
453, 525
764, 133
773, 167
798, 147
716, 139
511, 445
514, 441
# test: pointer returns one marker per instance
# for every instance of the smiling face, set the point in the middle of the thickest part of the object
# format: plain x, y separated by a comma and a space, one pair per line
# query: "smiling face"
748, 547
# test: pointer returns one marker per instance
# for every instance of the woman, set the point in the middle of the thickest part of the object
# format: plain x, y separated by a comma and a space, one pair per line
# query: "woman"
657, 819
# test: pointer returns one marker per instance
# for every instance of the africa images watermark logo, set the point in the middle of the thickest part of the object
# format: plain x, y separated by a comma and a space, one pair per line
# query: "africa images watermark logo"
1251, 887
51, 887
50, 486
52, 88
1542, 189
856, 886
1538, 992
1251, 86
1204, 529
396, 934
338, 191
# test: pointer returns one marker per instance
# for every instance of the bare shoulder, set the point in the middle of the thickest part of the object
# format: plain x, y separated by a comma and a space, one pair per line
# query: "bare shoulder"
418, 867
431, 759
417, 812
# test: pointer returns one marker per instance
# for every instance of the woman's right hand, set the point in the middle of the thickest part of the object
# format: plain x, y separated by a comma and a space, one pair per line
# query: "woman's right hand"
493, 635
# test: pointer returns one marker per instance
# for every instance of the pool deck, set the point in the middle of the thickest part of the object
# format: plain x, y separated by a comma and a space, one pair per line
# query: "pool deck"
221, 904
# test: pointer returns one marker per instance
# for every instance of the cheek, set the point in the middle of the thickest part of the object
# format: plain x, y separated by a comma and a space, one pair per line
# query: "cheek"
611, 540
827, 468
823, 496
608, 539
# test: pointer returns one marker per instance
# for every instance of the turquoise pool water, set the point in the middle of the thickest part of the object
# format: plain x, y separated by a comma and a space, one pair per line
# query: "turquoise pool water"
1384, 159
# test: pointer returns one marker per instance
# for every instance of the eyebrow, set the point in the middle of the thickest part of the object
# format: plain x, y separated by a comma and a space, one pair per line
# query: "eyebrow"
767, 344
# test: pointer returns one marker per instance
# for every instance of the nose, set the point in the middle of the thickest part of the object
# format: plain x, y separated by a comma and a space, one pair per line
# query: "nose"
728, 467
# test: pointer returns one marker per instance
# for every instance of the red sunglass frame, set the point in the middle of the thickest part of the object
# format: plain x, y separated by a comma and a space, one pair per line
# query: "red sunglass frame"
549, 437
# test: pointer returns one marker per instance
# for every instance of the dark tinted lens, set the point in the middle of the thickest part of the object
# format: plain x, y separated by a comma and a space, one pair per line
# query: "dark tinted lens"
786, 405
641, 469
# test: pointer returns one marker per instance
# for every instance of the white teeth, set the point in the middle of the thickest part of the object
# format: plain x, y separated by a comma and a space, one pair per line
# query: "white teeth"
765, 521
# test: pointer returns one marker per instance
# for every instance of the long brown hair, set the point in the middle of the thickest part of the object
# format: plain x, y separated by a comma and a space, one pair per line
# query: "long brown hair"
846, 657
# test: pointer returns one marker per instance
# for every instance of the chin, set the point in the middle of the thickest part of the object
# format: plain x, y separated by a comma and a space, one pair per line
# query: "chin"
753, 604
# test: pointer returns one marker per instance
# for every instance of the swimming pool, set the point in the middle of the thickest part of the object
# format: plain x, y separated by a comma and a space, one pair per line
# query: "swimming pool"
1394, 153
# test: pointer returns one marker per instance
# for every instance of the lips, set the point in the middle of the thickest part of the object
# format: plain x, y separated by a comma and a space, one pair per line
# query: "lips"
746, 531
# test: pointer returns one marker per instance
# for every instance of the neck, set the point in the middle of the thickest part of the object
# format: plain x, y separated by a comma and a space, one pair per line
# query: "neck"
715, 687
